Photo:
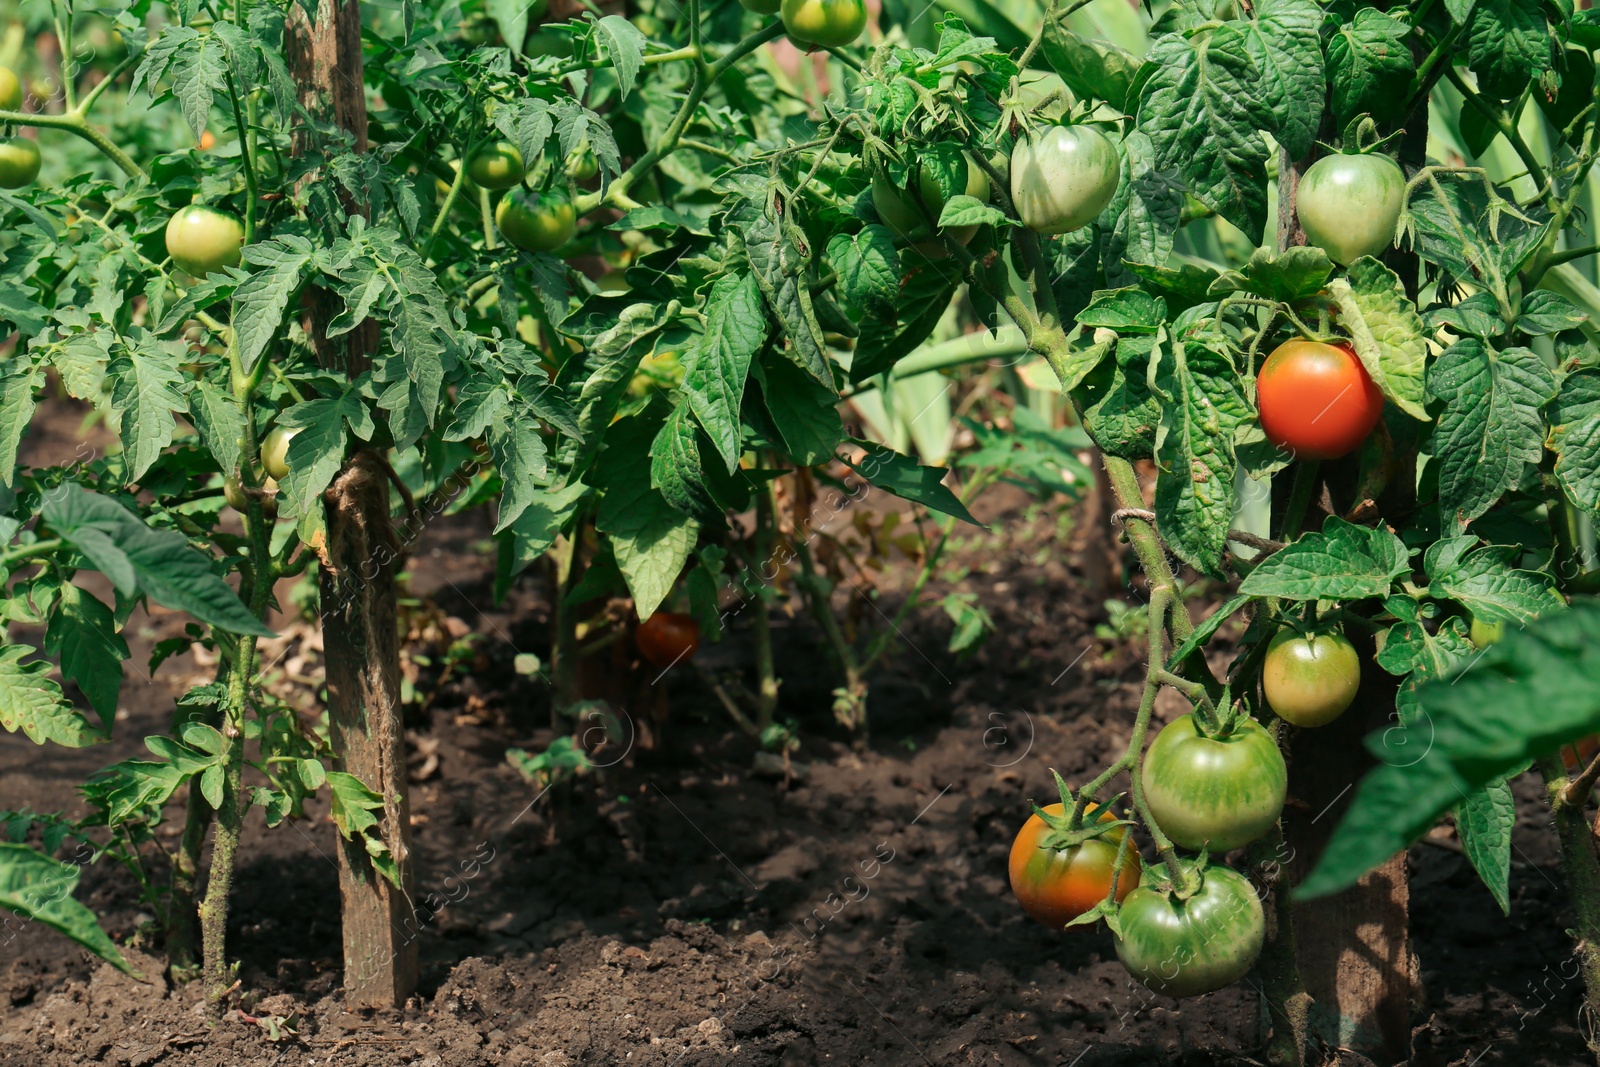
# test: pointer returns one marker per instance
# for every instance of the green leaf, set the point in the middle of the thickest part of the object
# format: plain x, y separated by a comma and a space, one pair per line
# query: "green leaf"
921, 300
1484, 821
1478, 315
145, 392
18, 379
717, 366
535, 530
220, 421
31, 702
260, 302
903, 476
868, 267
1283, 40
1202, 633
1455, 229
804, 414
1520, 699
199, 71
36, 887
1486, 584
1290, 276
1575, 438
83, 632
1092, 69
1342, 562
1491, 427
1200, 110
651, 539
316, 453
356, 811
1147, 207
138, 558
1195, 453
601, 377
964, 210
1370, 67
1077, 362
1544, 312
624, 45
779, 264
512, 18
1129, 310
522, 462
1387, 332
1508, 45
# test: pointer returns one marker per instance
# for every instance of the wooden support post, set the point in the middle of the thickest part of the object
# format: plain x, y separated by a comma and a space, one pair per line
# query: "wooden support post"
361, 636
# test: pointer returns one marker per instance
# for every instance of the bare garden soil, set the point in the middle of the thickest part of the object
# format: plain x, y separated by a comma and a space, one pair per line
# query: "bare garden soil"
680, 908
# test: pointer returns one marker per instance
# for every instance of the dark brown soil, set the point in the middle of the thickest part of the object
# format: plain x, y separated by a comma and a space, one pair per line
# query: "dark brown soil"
678, 909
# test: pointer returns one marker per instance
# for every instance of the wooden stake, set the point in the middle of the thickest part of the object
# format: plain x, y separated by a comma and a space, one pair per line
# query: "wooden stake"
361, 636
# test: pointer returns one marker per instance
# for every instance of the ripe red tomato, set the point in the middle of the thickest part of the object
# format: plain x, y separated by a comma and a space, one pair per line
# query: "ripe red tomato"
1056, 886
1316, 400
667, 637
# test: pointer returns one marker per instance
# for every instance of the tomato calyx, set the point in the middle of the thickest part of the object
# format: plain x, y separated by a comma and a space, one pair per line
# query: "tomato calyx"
1068, 829
1160, 878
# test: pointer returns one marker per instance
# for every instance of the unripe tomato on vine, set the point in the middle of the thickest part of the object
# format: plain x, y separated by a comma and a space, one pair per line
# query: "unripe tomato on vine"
667, 637
1348, 205
824, 23
275, 451
1188, 946
1214, 791
1309, 680
541, 223
10, 90
496, 166
19, 162
202, 239
901, 211
1056, 885
1317, 400
1063, 178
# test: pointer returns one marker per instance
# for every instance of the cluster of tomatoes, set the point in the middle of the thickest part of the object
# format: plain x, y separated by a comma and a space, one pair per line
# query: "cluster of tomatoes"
1211, 788
534, 222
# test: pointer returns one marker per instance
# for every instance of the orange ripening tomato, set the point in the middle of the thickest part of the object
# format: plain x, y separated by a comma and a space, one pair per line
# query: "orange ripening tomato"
1056, 886
1316, 400
667, 637
1578, 755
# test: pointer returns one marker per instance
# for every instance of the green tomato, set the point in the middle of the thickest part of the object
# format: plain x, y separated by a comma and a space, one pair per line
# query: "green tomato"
762, 7
10, 90
496, 166
19, 162
1185, 948
540, 223
1309, 681
1063, 178
900, 211
275, 451
1214, 793
581, 164
1484, 634
202, 239
1349, 205
233, 492
824, 23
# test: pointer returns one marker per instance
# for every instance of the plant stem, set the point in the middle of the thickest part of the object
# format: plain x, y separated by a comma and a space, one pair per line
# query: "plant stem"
1146, 543
703, 79
74, 123
1305, 483
230, 819
248, 160
766, 673
105, 83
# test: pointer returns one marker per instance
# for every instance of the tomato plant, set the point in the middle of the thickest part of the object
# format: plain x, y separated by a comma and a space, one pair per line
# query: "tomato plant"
1309, 680
1188, 945
667, 638
1317, 401
1056, 885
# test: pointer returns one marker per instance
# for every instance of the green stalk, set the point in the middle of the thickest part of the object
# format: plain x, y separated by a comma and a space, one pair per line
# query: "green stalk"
74, 123
766, 674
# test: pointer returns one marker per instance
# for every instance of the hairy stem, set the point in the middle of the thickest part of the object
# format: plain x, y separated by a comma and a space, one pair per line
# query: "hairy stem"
1582, 869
